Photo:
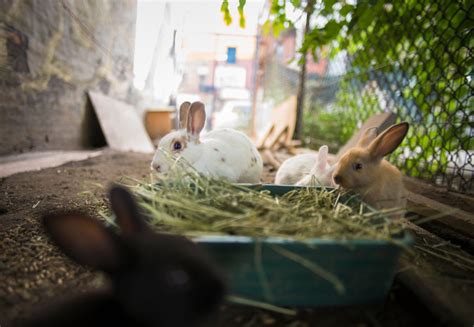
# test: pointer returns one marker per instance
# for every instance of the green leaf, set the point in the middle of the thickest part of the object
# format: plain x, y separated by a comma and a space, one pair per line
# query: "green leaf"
226, 12
267, 27
296, 3
242, 21
241, 13
345, 10
328, 6
332, 29
277, 28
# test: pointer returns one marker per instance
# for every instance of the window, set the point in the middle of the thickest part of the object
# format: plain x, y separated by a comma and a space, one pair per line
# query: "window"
231, 55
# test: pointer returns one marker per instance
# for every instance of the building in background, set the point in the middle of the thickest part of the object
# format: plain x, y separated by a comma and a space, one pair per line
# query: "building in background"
185, 52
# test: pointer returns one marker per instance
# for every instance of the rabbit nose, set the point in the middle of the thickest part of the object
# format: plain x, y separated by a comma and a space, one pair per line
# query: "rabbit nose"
337, 179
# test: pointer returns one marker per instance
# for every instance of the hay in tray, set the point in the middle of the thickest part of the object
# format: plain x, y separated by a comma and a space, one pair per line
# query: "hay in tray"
187, 203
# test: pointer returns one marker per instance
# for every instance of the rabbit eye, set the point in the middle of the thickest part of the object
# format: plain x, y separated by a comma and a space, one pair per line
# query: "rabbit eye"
177, 146
357, 166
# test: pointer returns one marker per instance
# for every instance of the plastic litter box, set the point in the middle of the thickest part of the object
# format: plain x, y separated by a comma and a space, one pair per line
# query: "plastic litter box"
365, 268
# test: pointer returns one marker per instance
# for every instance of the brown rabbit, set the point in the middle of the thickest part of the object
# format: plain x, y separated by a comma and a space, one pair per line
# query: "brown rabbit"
362, 169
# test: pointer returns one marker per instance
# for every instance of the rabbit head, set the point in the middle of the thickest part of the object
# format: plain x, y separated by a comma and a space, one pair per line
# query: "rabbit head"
359, 167
321, 172
183, 142
159, 279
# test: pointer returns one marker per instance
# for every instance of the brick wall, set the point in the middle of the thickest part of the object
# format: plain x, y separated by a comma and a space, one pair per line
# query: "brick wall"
51, 52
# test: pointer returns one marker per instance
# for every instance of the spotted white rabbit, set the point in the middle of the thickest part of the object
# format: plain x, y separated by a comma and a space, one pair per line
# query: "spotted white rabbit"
223, 153
306, 169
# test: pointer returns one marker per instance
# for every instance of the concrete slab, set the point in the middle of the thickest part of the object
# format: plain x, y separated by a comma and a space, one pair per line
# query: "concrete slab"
32, 161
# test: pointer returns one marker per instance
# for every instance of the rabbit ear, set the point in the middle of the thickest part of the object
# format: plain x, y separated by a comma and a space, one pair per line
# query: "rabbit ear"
85, 240
183, 114
126, 212
388, 141
196, 118
322, 158
368, 136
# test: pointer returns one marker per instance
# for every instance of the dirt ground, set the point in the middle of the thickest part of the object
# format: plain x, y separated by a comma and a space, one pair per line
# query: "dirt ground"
32, 271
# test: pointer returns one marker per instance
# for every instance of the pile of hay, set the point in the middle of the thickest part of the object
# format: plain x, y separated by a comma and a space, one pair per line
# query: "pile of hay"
187, 203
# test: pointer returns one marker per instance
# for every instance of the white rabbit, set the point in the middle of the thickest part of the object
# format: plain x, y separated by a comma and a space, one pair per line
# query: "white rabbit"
306, 169
224, 153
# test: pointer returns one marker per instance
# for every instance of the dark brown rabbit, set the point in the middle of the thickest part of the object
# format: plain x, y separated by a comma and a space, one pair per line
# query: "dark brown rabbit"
156, 279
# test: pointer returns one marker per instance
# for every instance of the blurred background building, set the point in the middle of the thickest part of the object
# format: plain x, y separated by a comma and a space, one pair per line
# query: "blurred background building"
184, 54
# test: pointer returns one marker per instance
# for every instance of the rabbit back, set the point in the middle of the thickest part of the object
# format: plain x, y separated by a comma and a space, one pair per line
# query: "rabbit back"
230, 154
295, 168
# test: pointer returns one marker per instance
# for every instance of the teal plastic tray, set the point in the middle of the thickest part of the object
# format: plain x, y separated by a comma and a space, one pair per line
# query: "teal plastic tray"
364, 267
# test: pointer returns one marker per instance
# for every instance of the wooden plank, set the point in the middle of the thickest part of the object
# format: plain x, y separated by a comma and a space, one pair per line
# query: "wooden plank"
434, 294
270, 159
290, 119
382, 121
283, 120
456, 219
440, 193
122, 128
446, 290
276, 136
263, 139
296, 143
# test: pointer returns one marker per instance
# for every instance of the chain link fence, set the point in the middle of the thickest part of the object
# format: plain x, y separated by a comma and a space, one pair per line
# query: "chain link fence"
419, 66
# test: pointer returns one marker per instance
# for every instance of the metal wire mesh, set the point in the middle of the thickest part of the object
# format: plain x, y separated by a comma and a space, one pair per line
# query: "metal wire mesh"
419, 67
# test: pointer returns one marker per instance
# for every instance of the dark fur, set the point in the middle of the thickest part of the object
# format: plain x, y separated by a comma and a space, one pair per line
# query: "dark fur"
156, 279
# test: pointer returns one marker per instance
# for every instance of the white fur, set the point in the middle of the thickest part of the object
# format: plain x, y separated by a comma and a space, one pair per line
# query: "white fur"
205, 154
306, 169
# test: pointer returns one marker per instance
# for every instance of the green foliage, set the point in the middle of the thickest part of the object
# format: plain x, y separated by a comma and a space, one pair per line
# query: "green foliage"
417, 52
228, 17
334, 125
240, 8
324, 127
424, 48
279, 83
226, 12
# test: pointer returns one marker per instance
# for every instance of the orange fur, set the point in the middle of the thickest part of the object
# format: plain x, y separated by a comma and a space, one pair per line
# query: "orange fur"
378, 182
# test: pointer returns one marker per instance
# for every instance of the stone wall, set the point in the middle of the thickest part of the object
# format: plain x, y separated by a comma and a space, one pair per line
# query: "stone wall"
51, 53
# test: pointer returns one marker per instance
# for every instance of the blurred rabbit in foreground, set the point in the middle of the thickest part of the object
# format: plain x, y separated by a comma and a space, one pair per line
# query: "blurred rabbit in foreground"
156, 279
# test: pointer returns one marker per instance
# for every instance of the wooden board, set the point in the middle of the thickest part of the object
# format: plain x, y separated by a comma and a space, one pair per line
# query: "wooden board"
440, 193
269, 158
454, 218
122, 128
446, 290
282, 125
